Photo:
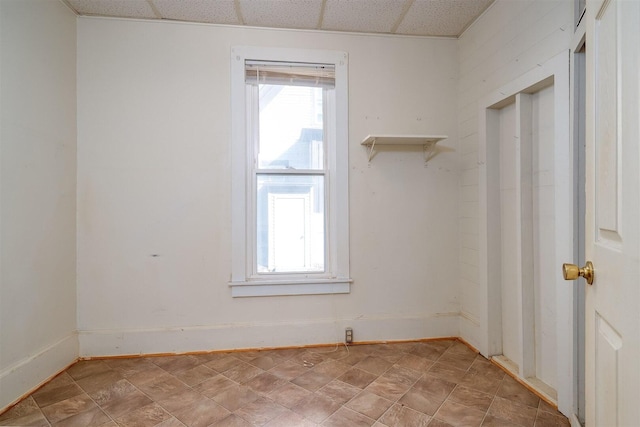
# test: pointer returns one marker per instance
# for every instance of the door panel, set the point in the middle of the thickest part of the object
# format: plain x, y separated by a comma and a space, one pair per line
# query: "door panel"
606, 141
608, 343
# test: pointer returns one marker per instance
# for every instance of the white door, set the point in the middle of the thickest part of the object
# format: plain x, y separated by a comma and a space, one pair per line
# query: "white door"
613, 213
288, 232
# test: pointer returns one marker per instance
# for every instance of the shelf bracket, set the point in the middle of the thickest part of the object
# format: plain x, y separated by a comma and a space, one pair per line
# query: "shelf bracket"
373, 143
428, 149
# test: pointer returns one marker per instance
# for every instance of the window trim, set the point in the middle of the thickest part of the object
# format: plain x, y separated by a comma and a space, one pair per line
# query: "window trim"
336, 278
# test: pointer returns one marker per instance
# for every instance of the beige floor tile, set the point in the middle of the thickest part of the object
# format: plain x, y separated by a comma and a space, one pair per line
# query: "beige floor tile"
316, 408
93, 383
547, 419
264, 362
113, 391
290, 419
357, 377
517, 413
93, 417
163, 388
512, 390
374, 365
338, 391
201, 413
417, 363
265, 383
147, 416
242, 372
459, 415
422, 401
433, 385
344, 417
388, 388
260, 411
235, 397
289, 395
438, 423
125, 404
25, 407
58, 394
369, 404
196, 375
399, 415
312, 381
87, 368
130, 367
174, 364
171, 422
59, 380
214, 386
288, 370
471, 398
231, 421
483, 367
68, 408
492, 421
25, 413
447, 372
483, 383
152, 373
178, 401
224, 363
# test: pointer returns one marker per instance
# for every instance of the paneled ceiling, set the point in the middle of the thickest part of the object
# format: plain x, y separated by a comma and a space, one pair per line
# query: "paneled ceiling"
446, 18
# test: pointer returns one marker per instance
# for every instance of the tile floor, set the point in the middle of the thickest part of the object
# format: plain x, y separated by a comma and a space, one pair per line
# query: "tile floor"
433, 383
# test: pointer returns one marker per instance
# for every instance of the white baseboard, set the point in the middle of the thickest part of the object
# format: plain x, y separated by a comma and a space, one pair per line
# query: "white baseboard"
26, 375
95, 343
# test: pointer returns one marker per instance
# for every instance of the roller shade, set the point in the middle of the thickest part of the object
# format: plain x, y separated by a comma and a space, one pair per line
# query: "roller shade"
290, 73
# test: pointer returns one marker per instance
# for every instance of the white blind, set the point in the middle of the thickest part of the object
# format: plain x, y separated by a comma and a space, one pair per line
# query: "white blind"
290, 73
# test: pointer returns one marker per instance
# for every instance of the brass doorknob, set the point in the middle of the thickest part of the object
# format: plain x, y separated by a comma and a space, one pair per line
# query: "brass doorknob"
572, 272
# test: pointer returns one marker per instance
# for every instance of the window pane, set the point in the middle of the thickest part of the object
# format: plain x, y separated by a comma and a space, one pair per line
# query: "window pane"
291, 130
290, 223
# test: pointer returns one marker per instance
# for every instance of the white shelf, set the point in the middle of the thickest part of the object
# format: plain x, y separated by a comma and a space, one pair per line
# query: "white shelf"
428, 142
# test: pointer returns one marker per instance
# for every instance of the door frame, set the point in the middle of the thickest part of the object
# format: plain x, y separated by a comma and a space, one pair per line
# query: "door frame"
554, 71
578, 137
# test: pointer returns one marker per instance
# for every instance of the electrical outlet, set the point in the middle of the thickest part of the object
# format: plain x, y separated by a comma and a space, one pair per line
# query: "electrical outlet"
348, 335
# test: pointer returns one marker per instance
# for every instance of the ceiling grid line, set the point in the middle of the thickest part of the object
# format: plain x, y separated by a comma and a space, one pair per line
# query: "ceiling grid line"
404, 12
238, 9
323, 7
155, 9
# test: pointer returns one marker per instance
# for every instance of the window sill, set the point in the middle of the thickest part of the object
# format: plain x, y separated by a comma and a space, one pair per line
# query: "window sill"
269, 288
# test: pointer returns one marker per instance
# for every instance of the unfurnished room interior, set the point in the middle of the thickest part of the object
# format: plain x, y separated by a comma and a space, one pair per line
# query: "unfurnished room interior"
293, 213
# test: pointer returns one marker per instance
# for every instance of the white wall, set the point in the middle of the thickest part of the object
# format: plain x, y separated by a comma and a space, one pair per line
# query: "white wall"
154, 193
37, 194
509, 40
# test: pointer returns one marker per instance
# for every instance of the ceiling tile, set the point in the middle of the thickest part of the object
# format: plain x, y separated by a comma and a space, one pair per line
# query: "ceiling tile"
210, 11
441, 17
120, 8
372, 16
281, 13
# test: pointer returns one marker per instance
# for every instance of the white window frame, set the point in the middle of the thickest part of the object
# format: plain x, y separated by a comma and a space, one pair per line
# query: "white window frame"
335, 279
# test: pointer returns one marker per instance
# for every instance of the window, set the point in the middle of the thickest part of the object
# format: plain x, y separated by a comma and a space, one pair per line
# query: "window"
290, 172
